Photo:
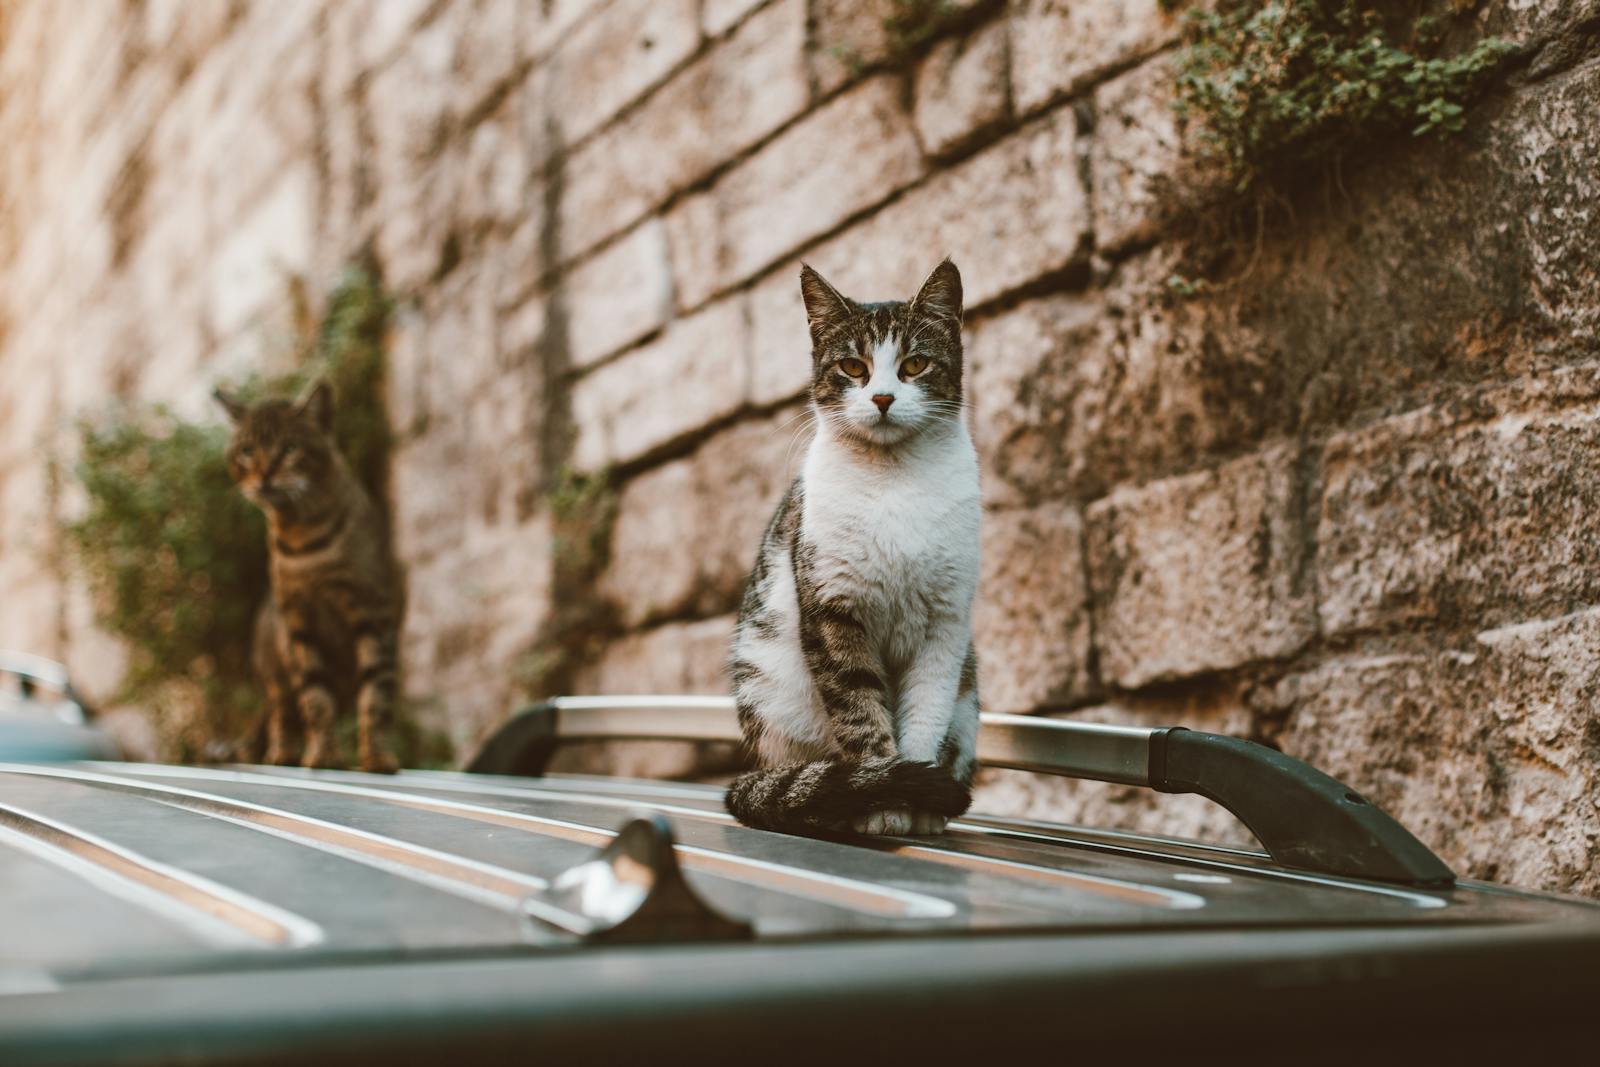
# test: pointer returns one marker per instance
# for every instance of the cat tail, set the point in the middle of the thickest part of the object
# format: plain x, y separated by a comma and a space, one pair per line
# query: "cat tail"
826, 795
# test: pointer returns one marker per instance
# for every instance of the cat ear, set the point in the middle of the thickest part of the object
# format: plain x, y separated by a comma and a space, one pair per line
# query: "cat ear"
826, 307
940, 295
316, 400
236, 408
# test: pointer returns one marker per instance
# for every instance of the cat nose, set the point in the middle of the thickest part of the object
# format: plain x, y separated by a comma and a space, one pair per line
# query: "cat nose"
883, 400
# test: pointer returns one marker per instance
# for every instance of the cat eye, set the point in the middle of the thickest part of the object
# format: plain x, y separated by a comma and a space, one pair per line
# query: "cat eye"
854, 367
914, 366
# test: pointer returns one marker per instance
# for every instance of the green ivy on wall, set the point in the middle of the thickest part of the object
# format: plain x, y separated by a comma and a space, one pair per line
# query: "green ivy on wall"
1280, 84
176, 560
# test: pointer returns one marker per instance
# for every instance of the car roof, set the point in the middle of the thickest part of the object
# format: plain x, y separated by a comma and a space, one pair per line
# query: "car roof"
119, 868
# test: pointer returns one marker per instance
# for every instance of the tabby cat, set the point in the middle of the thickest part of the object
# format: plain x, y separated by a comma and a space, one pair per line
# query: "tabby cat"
853, 666
328, 631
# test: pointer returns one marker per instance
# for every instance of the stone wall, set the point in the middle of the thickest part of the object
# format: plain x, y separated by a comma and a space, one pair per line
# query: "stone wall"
1344, 501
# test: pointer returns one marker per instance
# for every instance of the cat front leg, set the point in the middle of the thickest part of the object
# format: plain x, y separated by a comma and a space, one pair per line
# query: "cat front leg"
929, 705
845, 666
314, 698
377, 678
281, 748
849, 676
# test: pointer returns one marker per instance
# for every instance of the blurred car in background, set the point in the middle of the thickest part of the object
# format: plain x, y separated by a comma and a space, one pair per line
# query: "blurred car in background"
42, 718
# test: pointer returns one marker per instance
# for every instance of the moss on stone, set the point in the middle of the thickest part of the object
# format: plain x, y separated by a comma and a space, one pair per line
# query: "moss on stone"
910, 24
583, 512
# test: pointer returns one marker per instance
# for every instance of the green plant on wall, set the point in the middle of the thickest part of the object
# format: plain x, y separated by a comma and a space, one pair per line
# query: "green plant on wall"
1285, 83
176, 558
177, 562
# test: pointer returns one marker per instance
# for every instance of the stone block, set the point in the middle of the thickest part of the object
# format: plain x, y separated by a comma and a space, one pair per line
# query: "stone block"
415, 181
1060, 47
518, 262
416, 227
839, 160
1025, 381
1008, 216
687, 532
613, 58
1330, 321
1143, 173
473, 46
699, 361
543, 27
261, 122
1202, 572
1553, 32
1075, 394
678, 657
473, 611
961, 90
468, 412
1547, 151
1031, 619
1489, 753
619, 295
485, 49
854, 36
631, 168
717, 15
1463, 519
850, 38
694, 240
273, 244
780, 341
184, 32
406, 372
758, 78
383, 26
497, 176
742, 89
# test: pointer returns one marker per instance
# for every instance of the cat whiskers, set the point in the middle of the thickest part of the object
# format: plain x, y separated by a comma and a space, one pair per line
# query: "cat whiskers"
806, 418
943, 409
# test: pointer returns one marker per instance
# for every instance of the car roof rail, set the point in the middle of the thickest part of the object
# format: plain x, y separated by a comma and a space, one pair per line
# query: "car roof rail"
1302, 817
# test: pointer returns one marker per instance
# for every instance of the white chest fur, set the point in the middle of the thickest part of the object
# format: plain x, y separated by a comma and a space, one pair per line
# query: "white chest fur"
896, 533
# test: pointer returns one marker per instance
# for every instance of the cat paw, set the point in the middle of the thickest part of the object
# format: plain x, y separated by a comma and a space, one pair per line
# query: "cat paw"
379, 761
926, 822
324, 756
283, 756
893, 821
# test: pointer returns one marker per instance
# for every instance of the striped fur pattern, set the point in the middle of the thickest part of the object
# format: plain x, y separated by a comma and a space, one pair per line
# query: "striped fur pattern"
327, 634
853, 666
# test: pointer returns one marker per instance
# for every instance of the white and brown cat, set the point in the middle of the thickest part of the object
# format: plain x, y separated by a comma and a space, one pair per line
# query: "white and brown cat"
853, 665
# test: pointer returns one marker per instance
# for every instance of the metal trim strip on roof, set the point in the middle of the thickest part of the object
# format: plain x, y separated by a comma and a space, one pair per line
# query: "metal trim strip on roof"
849, 893
215, 912
485, 883
1117, 889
